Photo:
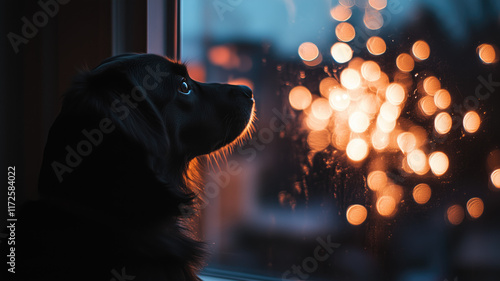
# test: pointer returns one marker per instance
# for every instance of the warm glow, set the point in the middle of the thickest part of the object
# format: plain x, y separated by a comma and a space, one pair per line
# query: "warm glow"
321, 109
340, 138
341, 52
442, 99
378, 4
347, 3
421, 193
417, 160
370, 71
376, 180
406, 142
350, 79
421, 50
495, 178
327, 85
405, 62
300, 97
345, 31
455, 214
471, 122
395, 94
314, 62
389, 111
220, 55
475, 207
427, 105
318, 140
356, 214
386, 206
340, 13
308, 51
359, 122
241, 81
357, 149
442, 123
431, 85
369, 104
376, 45
373, 19
339, 99
316, 124
380, 139
487, 53
438, 161
384, 125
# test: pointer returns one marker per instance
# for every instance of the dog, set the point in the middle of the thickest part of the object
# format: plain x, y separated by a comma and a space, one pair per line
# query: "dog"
114, 172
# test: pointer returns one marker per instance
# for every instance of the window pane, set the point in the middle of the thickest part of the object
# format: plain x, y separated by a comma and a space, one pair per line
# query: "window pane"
376, 150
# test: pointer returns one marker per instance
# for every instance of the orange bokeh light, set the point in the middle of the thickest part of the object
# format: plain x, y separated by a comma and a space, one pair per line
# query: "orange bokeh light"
471, 122
431, 85
370, 71
321, 109
300, 97
327, 85
443, 123
442, 99
495, 178
308, 51
359, 122
340, 13
386, 206
357, 149
318, 140
455, 214
475, 207
395, 94
487, 53
373, 19
427, 105
417, 161
422, 193
438, 161
406, 142
341, 52
421, 50
376, 180
376, 45
356, 214
339, 99
405, 62
350, 79
378, 4
345, 31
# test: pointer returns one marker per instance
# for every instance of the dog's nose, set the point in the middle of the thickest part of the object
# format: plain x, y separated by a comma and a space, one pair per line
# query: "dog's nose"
246, 91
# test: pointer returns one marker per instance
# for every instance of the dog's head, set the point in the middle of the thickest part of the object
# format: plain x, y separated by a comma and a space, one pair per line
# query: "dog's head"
138, 119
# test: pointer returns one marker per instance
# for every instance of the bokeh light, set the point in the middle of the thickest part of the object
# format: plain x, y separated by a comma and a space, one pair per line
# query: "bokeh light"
341, 52
316, 124
373, 19
427, 106
405, 62
431, 85
339, 99
356, 214
421, 50
376, 45
389, 112
443, 123
471, 122
378, 4
340, 13
370, 71
438, 161
321, 109
417, 161
350, 79
376, 180
395, 94
406, 142
386, 206
327, 85
475, 207
300, 97
495, 178
357, 149
455, 214
318, 140
359, 122
487, 53
345, 31
308, 51
442, 99
422, 193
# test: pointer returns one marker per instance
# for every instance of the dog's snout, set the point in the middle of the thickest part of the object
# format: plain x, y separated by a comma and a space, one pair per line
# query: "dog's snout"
246, 91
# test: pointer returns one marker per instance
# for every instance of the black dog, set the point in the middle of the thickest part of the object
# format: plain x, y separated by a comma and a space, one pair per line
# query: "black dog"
113, 174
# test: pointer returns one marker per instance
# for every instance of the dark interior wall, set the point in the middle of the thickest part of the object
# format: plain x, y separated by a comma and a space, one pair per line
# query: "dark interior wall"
33, 80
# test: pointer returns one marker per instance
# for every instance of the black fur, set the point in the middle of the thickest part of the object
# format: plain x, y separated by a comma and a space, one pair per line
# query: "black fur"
114, 208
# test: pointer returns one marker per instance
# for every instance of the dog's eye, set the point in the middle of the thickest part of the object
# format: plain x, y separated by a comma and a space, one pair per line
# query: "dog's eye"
184, 88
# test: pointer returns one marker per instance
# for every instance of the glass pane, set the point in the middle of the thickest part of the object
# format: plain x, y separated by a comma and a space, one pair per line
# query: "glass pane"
376, 151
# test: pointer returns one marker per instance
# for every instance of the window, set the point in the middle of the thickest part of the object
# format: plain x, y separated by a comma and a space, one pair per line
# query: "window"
376, 151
